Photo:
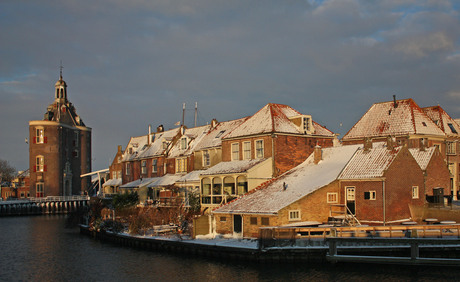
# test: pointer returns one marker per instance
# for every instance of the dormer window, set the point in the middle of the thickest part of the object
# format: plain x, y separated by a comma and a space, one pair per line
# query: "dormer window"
220, 134
304, 123
452, 128
183, 143
165, 145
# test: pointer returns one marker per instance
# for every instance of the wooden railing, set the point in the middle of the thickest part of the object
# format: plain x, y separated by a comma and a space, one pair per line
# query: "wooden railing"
288, 236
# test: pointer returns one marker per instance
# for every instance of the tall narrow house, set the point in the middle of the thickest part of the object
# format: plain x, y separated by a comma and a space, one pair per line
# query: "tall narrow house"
59, 149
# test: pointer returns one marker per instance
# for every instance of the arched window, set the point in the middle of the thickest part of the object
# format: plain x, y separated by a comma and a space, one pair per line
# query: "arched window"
217, 186
206, 187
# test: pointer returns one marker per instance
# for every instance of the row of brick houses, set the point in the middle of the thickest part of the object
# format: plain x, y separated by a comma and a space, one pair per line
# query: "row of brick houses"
238, 155
395, 156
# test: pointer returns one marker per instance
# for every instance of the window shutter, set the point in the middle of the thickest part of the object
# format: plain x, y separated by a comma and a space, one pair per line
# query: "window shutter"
44, 168
45, 139
35, 168
367, 195
34, 140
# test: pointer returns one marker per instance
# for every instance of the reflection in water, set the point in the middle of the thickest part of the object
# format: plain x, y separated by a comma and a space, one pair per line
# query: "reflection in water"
41, 249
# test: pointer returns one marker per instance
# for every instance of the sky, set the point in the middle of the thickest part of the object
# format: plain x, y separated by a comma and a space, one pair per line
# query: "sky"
129, 64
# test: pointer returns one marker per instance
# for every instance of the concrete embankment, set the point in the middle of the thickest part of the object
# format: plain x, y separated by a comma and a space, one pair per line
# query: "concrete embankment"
411, 251
194, 247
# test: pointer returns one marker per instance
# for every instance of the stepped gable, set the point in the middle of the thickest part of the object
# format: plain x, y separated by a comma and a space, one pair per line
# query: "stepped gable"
294, 184
370, 163
443, 120
384, 119
272, 118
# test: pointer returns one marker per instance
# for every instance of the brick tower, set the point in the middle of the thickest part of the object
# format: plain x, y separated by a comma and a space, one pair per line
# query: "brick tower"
59, 149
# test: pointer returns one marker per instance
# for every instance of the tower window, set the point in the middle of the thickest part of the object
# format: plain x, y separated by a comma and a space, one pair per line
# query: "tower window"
40, 164
39, 188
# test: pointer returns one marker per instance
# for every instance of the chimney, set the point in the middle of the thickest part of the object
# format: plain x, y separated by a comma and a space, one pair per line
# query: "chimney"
367, 144
318, 154
149, 138
214, 122
423, 144
160, 128
119, 148
395, 105
391, 143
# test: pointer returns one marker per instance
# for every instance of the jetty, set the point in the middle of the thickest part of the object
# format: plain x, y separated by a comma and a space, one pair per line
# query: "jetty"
43, 205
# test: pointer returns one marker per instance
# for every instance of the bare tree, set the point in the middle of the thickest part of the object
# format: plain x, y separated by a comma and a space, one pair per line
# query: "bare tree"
7, 172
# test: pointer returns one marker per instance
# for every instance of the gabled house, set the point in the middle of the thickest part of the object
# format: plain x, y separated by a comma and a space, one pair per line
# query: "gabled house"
451, 151
208, 151
374, 184
115, 171
300, 195
414, 126
265, 145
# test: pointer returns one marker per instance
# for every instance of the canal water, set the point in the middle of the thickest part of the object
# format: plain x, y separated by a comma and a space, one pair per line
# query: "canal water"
41, 248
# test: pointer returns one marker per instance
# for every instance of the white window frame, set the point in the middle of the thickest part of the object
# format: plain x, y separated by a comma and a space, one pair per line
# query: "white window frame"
294, 215
451, 148
415, 192
183, 143
181, 165
128, 168
246, 150
39, 135
235, 147
332, 197
143, 167
372, 195
154, 165
259, 149
40, 163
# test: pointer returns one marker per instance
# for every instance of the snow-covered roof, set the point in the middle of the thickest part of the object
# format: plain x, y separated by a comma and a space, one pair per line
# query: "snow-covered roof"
383, 119
370, 163
423, 157
112, 182
141, 182
165, 180
272, 118
156, 147
135, 145
299, 182
214, 137
192, 176
194, 136
232, 167
443, 120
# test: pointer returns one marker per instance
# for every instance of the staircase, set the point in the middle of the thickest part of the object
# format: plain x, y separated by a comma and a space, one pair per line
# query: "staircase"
341, 215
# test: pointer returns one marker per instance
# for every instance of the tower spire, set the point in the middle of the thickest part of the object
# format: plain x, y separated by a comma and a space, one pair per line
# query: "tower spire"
60, 71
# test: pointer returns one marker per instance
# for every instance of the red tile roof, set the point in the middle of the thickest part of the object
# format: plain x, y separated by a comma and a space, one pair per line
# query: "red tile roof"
384, 119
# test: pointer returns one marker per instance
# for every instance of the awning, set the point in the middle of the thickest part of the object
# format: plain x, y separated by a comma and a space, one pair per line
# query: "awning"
139, 183
166, 180
112, 182
193, 176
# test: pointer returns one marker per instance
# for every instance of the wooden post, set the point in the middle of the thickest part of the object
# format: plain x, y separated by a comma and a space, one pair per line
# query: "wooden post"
414, 251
